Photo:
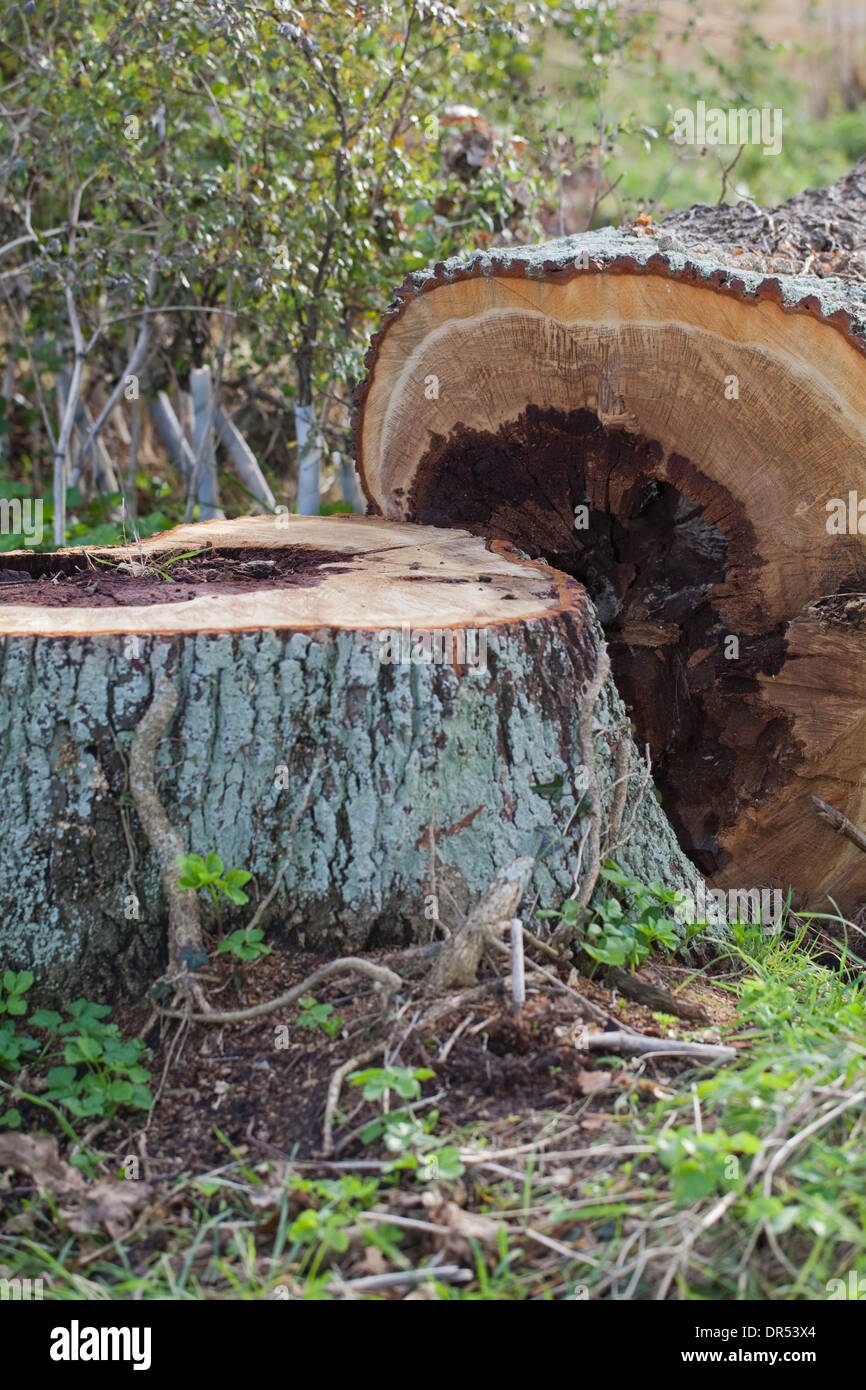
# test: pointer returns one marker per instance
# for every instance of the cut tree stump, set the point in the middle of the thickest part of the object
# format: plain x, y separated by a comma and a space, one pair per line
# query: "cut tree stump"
669, 414
283, 639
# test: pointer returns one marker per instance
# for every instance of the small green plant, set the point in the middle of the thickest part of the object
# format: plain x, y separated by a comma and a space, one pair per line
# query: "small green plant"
702, 1164
406, 1135
211, 873
623, 933
15, 986
246, 943
148, 564
91, 1072
322, 1016
330, 1211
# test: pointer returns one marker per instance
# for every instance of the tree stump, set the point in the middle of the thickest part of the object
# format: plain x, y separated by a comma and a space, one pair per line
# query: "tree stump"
675, 415
438, 690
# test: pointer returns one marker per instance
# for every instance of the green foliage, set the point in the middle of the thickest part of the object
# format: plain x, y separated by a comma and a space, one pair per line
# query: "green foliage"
245, 943
323, 1225
15, 986
379, 1081
322, 1016
211, 873
625, 930
699, 1164
403, 1132
91, 1072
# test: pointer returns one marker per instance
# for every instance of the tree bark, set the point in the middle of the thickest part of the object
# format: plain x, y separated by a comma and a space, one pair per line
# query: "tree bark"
434, 774
674, 415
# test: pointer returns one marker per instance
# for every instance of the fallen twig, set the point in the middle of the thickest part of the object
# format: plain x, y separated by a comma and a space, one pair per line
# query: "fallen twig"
447, 1274
840, 823
635, 1044
334, 1087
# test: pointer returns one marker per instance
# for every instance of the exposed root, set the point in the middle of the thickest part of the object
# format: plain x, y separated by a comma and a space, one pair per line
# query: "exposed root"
334, 1088
460, 957
653, 996
586, 743
185, 943
385, 978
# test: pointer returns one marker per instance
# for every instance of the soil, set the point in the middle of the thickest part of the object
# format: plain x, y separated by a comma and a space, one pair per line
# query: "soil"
233, 1089
84, 580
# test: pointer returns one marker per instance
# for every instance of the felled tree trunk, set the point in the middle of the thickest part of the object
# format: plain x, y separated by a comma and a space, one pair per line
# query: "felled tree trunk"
297, 646
677, 416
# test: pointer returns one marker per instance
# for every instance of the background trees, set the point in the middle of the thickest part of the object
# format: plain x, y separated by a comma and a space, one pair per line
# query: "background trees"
205, 205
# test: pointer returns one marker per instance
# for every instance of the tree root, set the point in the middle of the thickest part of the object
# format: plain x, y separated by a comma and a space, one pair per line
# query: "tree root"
653, 996
334, 1088
185, 943
458, 961
389, 982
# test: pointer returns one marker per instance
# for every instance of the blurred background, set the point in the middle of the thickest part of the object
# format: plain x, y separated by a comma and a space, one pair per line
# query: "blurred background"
206, 207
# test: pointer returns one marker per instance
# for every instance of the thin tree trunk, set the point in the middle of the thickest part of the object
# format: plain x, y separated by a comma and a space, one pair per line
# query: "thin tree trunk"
309, 460
201, 390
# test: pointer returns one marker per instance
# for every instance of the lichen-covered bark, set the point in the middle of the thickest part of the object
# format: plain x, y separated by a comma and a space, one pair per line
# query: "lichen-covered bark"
410, 751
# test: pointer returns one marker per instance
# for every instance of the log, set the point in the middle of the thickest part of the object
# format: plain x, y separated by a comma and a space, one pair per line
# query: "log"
676, 416
284, 641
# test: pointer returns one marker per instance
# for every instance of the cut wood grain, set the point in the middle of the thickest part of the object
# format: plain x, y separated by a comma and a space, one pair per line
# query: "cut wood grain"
669, 415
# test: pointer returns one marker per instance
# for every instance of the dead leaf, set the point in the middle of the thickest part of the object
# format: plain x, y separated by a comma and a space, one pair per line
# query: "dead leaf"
38, 1157
466, 1223
372, 1261
591, 1081
108, 1205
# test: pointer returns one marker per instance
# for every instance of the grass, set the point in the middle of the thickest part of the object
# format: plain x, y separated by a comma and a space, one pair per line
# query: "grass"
746, 1181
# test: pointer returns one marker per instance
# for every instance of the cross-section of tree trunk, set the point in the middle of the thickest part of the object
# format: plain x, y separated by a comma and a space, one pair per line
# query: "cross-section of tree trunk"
676, 415
438, 683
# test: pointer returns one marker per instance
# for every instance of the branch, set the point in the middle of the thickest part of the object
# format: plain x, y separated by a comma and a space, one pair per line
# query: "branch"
132, 366
840, 823
637, 1045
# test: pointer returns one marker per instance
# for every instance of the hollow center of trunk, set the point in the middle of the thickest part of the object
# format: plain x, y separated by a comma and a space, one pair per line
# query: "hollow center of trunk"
591, 501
